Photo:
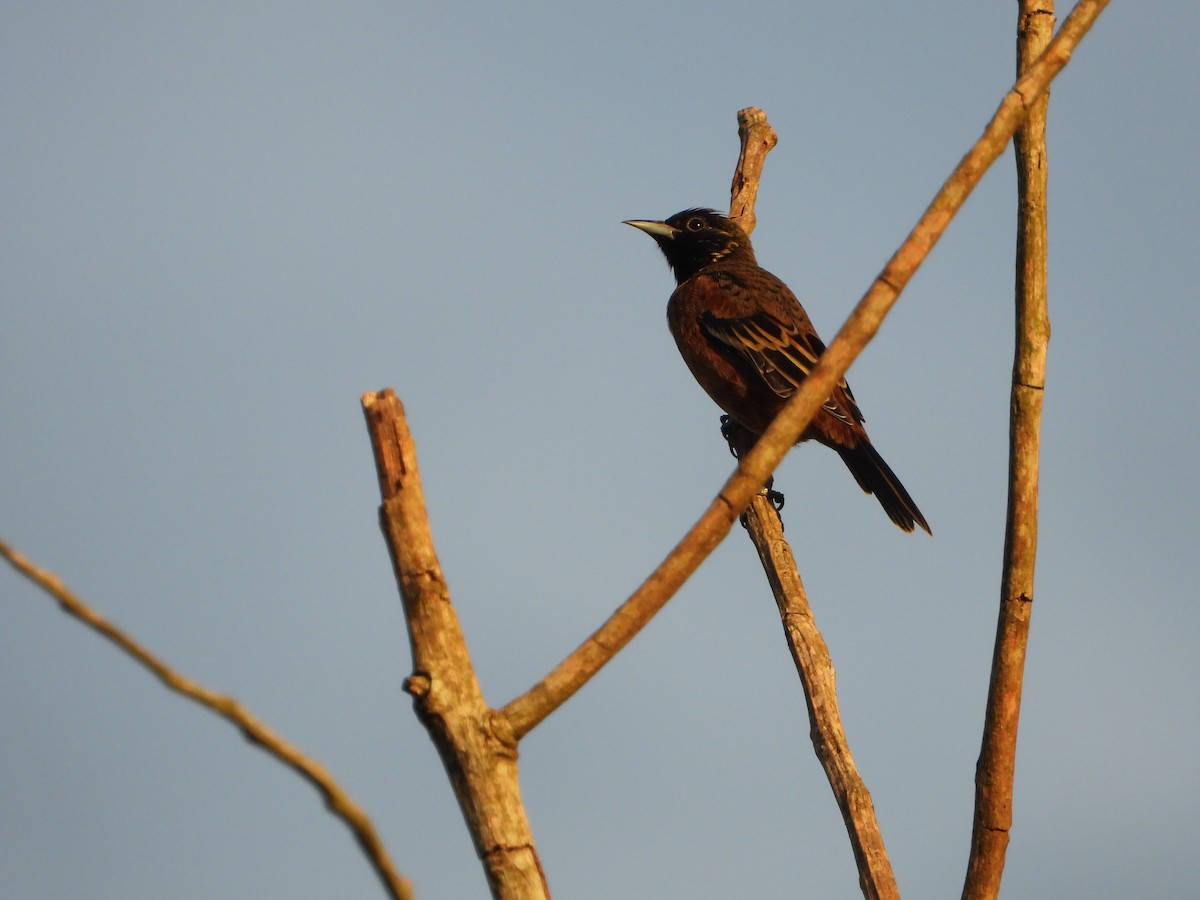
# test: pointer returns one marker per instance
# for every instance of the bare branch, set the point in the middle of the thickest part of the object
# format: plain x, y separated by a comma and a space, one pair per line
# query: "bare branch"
815, 667
336, 798
757, 140
997, 759
477, 747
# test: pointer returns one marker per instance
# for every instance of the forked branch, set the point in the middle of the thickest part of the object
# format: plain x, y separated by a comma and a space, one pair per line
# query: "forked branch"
477, 748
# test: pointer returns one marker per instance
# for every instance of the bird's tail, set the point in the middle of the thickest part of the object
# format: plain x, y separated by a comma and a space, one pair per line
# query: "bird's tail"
875, 477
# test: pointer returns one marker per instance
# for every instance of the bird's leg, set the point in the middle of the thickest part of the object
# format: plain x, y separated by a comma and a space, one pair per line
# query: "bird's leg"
741, 440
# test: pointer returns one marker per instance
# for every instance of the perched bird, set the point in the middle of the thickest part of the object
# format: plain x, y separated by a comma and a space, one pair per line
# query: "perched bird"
749, 343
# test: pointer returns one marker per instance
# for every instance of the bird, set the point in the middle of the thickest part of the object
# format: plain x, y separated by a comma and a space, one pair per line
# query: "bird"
749, 343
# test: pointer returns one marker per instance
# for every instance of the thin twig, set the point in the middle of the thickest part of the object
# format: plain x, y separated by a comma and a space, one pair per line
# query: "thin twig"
527, 710
816, 671
477, 748
336, 798
997, 759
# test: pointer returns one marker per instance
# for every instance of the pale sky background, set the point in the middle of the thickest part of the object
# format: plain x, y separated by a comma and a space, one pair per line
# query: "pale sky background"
223, 222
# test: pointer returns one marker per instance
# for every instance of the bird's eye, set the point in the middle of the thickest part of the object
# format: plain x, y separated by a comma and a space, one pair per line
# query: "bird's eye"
696, 223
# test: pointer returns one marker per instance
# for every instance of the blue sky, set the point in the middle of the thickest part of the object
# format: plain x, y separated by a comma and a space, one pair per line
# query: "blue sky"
224, 222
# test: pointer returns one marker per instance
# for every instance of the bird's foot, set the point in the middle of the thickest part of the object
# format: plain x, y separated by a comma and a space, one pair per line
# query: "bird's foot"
774, 497
727, 431
739, 439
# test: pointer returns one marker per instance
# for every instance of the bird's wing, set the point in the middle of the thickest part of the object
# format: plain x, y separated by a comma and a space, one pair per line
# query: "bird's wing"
782, 352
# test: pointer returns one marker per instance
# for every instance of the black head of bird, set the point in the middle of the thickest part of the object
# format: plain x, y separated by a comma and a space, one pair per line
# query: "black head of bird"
695, 238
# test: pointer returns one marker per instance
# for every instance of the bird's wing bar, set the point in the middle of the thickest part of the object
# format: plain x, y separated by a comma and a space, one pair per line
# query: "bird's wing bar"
782, 354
